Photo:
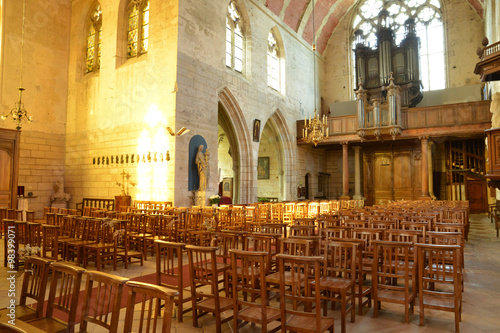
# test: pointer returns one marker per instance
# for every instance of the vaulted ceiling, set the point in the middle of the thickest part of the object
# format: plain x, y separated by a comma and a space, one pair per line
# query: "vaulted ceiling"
297, 14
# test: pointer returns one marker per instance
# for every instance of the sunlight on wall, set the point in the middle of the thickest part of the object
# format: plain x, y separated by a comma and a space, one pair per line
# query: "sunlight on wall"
153, 145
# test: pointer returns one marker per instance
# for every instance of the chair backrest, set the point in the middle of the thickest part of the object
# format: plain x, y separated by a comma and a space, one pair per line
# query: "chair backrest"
149, 299
103, 295
248, 268
302, 299
203, 272
50, 244
169, 272
302, 230
224, 241
259, 243
296, 247
341, 259
64, 291
35, 282
392, 262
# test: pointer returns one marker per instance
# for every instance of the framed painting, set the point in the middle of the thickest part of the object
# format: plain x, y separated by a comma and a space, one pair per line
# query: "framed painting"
263, 168
256, 130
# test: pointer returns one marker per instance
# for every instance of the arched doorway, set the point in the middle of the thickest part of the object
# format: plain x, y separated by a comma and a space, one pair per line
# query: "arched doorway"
270, 168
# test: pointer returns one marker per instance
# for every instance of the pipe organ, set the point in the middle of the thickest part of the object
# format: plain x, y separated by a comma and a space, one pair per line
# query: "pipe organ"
387, 78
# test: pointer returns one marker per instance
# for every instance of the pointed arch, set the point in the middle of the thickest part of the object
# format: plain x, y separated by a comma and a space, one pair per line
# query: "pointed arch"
288, 147
231, 117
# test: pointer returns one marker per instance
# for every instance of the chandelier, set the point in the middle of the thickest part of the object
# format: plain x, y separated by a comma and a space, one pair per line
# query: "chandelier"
19, 113
316, 129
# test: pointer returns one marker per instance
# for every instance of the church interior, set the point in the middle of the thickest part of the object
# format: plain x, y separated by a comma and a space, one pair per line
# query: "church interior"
182, 106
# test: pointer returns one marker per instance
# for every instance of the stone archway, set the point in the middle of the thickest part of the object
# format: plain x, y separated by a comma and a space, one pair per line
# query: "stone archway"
286, 144
232, 121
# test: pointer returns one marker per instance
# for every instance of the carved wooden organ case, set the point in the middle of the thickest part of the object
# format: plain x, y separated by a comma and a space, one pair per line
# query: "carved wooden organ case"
388, 79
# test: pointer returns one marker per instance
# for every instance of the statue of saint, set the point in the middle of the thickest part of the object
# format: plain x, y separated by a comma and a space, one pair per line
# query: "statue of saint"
59, 194
201, 162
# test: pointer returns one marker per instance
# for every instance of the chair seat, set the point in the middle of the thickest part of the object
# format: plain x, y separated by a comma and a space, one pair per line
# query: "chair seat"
208, 304
23, 313
334, 284
303, 324
274, 278
394, 295
254, 314
51, 325
440, 302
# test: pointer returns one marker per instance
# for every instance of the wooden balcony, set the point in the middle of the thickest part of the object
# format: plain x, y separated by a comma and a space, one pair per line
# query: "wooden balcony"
461, 119
489, 65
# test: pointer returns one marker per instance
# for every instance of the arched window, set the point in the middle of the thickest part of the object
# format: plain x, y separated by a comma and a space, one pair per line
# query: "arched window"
138, 28
94, 39
273, 62
428, 25
235, 40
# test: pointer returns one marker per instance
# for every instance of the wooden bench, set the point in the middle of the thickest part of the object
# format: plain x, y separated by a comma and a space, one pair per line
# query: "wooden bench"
99, 203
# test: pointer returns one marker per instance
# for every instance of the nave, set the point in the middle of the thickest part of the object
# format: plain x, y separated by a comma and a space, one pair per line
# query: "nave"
481, 298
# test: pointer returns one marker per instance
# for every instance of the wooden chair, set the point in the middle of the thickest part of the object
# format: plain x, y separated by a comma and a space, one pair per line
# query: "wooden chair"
301, 302
122, 247
101, 252
393, 276
250, 298
89, 235
261, 243
170, 273
65, 283
150, 306
34, 286
204, 272
50, 241
103, 296
339, 277
439, 280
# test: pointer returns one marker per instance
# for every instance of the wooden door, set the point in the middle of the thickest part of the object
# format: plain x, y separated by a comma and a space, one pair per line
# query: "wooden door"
382, 178
9, 163
476, 194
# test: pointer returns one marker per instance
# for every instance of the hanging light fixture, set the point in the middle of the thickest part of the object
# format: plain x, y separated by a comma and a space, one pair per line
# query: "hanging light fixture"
19, 113
316, 128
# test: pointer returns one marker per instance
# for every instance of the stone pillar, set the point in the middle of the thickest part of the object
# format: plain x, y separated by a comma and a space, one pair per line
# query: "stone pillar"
425, 169
431, 180
345, 171
357, 174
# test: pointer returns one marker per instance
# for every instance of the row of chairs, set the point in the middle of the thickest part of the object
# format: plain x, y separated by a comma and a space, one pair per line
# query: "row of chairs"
303, 296
102, 300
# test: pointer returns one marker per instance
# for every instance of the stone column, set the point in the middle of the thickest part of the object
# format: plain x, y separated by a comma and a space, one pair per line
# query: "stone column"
345, 171
357, 174
431, 180
425, 169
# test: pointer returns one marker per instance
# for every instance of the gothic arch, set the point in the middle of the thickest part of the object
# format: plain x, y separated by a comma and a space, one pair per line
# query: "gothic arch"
233, 121
288, 144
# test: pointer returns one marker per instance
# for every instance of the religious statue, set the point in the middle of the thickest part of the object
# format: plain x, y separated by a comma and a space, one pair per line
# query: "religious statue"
59, 194
201, 161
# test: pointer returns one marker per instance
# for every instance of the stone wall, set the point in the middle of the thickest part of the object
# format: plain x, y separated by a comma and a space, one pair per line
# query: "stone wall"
44, 75
124, 107
203, 78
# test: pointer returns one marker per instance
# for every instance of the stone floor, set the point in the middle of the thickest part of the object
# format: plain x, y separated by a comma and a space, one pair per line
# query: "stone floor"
481, 299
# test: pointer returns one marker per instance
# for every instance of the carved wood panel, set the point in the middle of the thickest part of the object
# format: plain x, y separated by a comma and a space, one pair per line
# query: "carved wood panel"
392, 174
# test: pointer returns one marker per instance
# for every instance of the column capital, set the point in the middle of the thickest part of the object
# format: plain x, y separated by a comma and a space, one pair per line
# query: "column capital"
356, 148
423, 137
344, 143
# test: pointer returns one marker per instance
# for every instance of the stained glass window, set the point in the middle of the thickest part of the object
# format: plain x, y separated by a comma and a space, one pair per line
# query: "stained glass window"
138, 28
428, 25
273, 63
235, 40
94, 40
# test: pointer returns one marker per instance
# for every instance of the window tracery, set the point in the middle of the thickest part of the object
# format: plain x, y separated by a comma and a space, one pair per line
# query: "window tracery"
428, 25
235, 40
273, 62
138, 28
94, 40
